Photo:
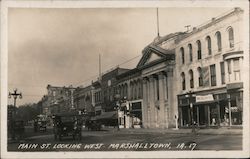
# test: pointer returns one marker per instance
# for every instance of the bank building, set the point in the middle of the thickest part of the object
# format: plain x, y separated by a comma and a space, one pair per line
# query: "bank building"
191, 77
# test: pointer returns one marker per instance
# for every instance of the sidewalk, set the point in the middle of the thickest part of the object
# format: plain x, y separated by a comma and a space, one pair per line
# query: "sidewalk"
207, 131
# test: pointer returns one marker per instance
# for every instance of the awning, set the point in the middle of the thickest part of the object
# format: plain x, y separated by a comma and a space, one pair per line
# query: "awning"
107, 115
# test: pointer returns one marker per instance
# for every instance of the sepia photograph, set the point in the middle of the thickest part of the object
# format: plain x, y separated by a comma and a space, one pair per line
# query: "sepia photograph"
125, 80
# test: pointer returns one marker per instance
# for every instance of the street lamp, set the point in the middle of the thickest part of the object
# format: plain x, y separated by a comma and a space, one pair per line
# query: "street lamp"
229, 109
15, 95
190, 96
117, 107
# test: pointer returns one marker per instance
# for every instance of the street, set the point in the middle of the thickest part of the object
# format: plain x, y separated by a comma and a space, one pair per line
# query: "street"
127, 140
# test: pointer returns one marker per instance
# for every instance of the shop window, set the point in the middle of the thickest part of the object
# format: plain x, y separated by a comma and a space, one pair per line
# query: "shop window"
199, 49
222, 70
191, 74
190, 52
236, 69
209, 45
182, 55
218, 37
213, 75
231, 37
183, 81
200, 77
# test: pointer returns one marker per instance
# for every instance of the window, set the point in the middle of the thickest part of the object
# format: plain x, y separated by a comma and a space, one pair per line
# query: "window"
182, 55
236, 63
209, 50
231, 37
213, 75
190, 52
198, 49
183, 81
191, 74
218, 37
222, 70
135, 91
200, 76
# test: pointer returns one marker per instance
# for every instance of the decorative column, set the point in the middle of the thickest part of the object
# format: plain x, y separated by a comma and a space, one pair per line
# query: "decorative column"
152, 101
161, 99
170, 92
145, 104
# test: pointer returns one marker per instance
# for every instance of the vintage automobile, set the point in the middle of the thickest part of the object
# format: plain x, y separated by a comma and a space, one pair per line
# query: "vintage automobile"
68, 124
40, 125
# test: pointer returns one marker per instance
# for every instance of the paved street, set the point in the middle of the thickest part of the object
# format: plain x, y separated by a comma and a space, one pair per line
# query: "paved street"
131, 140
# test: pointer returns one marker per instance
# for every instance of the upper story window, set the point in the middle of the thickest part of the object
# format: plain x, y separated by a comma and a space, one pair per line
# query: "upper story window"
183, 81
208, 39
222, 70
182, 55
236, 63
191, 74
213, 75
231, 37
198, 49
200, 76
190, 49
218, 37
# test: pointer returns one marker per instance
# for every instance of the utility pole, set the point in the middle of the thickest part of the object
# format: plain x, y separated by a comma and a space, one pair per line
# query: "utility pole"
158, 30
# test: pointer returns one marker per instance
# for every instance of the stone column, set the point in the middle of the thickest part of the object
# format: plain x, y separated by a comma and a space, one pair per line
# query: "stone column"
161, 100
152, 101
169, 109
145, 104
226, 72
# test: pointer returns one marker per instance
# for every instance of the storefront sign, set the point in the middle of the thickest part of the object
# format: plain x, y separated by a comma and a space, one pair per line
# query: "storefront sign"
204, 98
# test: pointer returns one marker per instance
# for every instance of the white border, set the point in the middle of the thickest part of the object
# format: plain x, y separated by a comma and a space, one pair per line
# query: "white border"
121, 4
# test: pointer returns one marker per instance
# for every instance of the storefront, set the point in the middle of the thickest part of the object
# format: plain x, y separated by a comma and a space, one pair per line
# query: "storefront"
224, 109
136, 114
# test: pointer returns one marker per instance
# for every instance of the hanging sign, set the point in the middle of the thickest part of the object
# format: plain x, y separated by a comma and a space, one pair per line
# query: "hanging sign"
204, 98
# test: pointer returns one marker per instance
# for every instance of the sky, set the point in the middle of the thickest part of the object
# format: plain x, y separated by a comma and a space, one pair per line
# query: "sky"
61, 47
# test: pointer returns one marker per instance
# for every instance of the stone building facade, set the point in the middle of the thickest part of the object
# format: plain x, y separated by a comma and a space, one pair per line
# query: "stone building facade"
130, 89
209, 72
83, 99
59, 99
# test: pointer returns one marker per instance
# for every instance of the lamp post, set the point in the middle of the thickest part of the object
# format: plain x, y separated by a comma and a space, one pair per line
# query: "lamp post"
190, 95
15, 95
229, 109
117, 107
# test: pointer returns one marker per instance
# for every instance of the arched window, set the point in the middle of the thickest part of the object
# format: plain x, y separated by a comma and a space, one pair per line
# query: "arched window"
182, 55
231, 37
218, 37
135, 91
191, 75
190, 49
200, 76
183, 81
209, 50
198, 49
131, 90
139, 89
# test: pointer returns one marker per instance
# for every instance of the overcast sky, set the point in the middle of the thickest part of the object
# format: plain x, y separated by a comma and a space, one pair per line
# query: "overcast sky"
61, 46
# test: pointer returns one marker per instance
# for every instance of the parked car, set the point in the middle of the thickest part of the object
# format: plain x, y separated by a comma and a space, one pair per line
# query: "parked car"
67, 125
93, 124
